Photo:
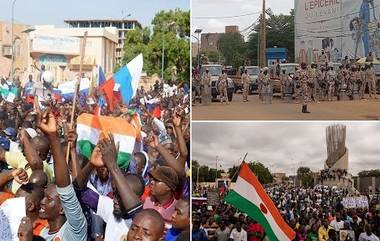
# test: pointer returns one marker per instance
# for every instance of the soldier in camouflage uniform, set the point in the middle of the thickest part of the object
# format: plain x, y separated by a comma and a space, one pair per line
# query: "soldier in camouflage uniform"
267, 89
357, 81
245, 84
285, 83
222, 87
313, 82
323, 84
371, 81
363, 82
303, 79
330, 78
340, 80
206, 91
297, 86
260, 84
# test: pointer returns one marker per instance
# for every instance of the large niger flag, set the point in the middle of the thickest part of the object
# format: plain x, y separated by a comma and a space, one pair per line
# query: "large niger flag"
91, 127
249, 197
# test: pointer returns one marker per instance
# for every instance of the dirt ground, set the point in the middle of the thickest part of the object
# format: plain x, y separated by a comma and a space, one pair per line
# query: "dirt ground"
366, 109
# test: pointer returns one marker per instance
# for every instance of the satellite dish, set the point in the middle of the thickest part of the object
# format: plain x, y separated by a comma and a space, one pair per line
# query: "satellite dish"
47, 76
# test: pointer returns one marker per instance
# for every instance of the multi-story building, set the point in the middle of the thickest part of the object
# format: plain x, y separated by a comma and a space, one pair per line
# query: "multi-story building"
123, 26
21, 59
59, 50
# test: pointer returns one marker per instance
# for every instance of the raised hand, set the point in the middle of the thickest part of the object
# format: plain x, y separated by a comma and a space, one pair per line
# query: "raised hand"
45, 120
177, 120
20, 176
96, 157
153, 141
108, 150
25, 230
23, 135
72, 136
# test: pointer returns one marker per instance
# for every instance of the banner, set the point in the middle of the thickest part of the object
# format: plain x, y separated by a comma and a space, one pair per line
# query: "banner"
338, 27
355, 202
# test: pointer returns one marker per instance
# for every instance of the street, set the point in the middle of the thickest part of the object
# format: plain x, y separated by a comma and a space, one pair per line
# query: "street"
367, 109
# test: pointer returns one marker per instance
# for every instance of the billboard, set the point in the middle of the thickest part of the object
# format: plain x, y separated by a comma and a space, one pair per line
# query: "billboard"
55, 44
338, 27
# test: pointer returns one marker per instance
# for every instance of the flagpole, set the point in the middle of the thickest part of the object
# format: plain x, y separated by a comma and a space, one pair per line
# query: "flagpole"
82, 53
237, 171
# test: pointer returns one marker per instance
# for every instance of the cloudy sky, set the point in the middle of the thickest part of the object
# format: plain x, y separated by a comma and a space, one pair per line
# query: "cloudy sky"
207, 15
282, 147
35, 12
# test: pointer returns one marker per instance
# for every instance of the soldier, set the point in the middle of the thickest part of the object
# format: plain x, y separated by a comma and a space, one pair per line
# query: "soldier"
356, 81
260, 84
323, 58
371, 81
330, 78
197, 88
340, 79
284, 81
323, 84
245, 84
313, 82
222, 87
303, 79
267, 91
363, 82
348, 84
297, 86
205, 81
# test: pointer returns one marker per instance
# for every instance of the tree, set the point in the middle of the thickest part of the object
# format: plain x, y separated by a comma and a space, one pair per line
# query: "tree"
233, 48
262, 172
305, 175
206, 174
279, 32
171, 31
370, 173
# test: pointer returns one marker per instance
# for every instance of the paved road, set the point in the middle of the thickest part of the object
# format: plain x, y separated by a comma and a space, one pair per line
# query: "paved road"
367, 109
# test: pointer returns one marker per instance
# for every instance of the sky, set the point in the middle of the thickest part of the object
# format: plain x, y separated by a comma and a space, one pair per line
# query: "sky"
223, 8
48, 12
282, 146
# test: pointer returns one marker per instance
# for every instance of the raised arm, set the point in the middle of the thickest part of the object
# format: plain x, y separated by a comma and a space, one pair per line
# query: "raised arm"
47, 124
170, 160
30, 153
109, 151
180, 139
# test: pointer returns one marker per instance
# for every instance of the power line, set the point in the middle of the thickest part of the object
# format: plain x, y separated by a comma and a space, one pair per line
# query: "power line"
224, 17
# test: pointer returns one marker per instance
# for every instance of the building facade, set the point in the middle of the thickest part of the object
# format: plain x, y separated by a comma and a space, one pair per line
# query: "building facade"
59, 50
21, 63
123, 26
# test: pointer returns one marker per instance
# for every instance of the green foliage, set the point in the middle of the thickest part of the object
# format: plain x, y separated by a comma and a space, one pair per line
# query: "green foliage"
233, 48
305, 175
171, 30
370, 173
262, 172
206, 174
279, 32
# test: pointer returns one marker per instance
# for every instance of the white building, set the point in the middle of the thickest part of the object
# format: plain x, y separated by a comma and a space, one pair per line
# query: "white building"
122, 25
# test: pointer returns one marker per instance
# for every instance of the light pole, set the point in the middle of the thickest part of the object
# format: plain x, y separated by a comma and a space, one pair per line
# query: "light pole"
198, 31
12, 42
163, 51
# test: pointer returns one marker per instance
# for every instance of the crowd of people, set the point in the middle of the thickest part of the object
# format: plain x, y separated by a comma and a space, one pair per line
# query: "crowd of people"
71, 197
313, 213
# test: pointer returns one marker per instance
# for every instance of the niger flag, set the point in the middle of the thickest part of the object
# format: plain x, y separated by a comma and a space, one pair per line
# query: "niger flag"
249, 196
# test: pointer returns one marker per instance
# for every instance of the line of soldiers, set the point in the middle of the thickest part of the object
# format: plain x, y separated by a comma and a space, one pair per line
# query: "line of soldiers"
311, 83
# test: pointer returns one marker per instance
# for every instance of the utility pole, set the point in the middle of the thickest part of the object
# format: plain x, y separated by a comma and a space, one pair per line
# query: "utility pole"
12, 42
262, 38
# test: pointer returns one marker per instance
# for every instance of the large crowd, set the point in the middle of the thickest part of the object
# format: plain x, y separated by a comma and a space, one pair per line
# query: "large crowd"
96, 198
313, 213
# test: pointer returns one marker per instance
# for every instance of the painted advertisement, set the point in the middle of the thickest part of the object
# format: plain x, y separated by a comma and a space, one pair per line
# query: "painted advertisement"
338, 28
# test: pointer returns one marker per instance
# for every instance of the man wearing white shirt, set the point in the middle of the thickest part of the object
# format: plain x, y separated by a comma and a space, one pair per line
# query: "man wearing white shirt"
337, 224
238, 234
368, 235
